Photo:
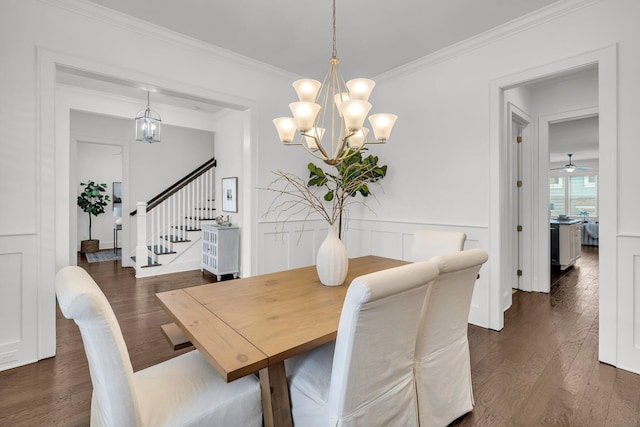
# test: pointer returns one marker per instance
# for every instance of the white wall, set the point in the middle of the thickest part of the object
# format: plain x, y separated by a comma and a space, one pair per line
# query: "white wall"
232, 132
563, 94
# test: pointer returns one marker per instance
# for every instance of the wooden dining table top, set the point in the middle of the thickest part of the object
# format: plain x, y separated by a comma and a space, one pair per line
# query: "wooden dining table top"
242, 326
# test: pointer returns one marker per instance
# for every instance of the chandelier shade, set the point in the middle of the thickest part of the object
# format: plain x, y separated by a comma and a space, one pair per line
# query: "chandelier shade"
360, 88
304, 114
382, 124
148, 125
307, 89
335, 109
354, 111
286, 127
356, 141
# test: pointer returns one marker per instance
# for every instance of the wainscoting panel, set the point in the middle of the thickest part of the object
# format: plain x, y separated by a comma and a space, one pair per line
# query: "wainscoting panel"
18, 301
290, 245
386, 244
629, 303
287, 248
274, 252
303, 246
394, 240
10, 297
357, 241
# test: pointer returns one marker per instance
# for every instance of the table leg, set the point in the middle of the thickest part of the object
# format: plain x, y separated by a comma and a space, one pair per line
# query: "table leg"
275, 396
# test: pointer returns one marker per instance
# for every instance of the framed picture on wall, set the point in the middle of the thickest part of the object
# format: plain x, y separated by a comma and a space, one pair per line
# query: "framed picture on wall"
230, 194
117, 193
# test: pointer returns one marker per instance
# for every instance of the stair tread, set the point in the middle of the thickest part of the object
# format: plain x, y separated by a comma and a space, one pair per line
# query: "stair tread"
175, 239
150, 262
182, 227
160, 250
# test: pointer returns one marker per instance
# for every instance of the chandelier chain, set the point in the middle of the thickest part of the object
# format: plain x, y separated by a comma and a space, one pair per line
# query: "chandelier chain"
334, 53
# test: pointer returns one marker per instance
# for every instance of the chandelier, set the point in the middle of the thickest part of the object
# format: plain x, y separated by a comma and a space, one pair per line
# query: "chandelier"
148, 125
335, 110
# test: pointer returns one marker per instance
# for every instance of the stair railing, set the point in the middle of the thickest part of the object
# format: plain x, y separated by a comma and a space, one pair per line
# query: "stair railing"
168, 217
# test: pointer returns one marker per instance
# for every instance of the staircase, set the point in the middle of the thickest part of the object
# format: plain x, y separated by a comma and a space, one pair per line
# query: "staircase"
169, 225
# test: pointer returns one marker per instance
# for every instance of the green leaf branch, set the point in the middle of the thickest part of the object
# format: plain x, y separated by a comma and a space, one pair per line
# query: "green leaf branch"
296, 196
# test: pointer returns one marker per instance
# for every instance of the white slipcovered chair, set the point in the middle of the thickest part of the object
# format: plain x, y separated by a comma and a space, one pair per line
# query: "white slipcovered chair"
442, 364
365, 377
430, 243
183, 391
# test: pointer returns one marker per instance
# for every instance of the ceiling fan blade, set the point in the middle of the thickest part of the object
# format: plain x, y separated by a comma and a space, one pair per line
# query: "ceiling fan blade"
583, 168
558, 169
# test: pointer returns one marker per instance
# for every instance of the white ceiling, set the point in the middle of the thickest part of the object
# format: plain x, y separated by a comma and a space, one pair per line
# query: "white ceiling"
578, 137
295, 35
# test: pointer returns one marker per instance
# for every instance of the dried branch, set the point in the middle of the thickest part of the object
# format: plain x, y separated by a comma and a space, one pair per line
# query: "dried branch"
295, 196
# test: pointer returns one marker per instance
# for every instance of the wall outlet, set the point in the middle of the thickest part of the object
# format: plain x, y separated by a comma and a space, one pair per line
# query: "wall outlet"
11, 356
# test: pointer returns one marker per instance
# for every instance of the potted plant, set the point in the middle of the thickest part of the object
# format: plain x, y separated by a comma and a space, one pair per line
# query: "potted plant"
92, 201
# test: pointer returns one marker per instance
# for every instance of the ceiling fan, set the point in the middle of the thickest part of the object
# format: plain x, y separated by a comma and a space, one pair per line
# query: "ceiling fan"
571, 167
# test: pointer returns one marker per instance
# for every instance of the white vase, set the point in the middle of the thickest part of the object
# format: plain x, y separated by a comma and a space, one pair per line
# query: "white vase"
332, 261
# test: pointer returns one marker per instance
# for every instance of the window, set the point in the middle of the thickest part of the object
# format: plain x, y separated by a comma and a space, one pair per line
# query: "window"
557, 196
574, 195
557, 182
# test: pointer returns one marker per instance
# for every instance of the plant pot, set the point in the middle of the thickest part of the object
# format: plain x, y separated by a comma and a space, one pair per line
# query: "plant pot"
332, 261
88, 246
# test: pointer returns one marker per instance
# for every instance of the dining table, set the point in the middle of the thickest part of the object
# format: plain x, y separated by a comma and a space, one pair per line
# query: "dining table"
252, 325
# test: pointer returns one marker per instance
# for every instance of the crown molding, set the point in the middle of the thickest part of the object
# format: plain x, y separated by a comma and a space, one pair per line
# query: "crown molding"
129, 23
515, 26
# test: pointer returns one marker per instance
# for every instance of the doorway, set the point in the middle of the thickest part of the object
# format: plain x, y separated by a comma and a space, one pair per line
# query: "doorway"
573, 190
101, 163
521, 143
501, 248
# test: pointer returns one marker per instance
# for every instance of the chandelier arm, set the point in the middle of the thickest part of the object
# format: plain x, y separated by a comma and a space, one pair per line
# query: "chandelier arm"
320, 147
325, 159
341, 147
349, 153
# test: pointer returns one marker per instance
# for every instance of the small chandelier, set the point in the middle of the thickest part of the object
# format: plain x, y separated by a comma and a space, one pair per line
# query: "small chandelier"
333, 103
148, 125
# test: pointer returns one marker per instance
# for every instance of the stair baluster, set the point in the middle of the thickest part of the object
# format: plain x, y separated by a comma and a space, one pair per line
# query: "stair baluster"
168, 219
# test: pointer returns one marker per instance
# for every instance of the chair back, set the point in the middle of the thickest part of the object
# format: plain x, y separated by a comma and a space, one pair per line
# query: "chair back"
372, 381
443, 372
430, 243
114, 401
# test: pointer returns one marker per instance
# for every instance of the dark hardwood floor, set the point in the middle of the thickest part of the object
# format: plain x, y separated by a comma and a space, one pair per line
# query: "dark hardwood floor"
541, 369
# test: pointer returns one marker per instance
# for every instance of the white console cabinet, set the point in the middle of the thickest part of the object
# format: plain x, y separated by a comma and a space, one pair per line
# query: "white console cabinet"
570, 243
220, 250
